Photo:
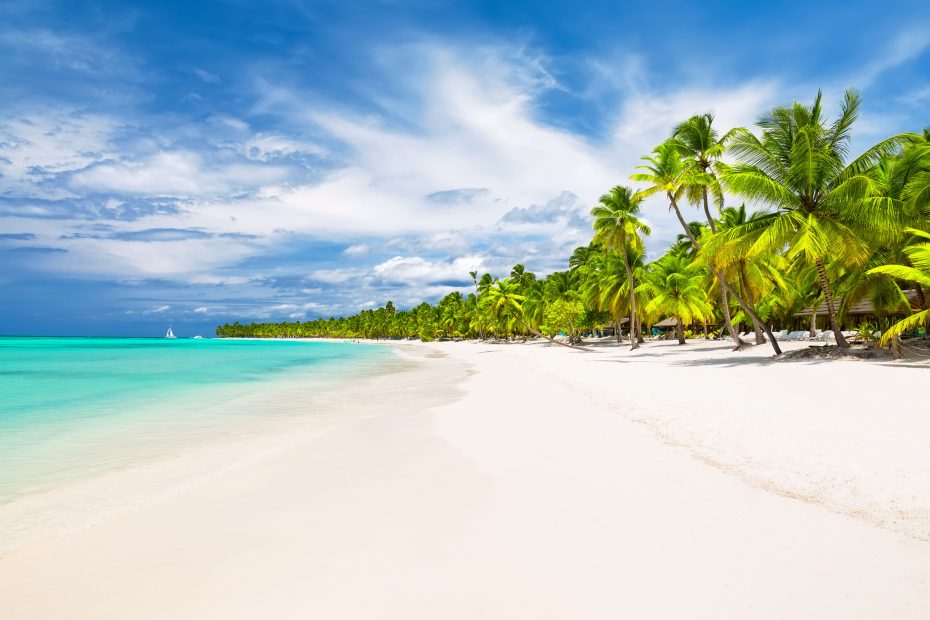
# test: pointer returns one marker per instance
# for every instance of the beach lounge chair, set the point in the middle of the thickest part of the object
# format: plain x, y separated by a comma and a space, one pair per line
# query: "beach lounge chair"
780, 335
827, 335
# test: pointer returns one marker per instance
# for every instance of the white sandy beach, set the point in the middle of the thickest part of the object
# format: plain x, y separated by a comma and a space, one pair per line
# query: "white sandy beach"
534, 481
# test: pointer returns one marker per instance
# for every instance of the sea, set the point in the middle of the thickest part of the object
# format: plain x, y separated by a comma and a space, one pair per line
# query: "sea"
72, 409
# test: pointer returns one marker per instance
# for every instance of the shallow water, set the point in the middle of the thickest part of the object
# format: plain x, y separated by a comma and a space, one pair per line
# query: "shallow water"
74, 408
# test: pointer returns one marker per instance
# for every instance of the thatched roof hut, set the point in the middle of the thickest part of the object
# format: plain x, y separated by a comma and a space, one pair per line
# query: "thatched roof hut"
667, 323
863, 307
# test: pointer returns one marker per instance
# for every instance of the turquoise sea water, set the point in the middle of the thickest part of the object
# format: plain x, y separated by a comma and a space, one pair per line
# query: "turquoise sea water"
74, 407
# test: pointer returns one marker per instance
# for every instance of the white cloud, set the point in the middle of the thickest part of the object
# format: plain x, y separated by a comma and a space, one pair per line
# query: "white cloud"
336, 276
175, 173
201, 310
416, 270
35, 148
268, 146
206, 76
359, 249
906, 46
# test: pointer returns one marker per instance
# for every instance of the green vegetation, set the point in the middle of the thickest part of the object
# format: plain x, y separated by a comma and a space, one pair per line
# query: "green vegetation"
829, 233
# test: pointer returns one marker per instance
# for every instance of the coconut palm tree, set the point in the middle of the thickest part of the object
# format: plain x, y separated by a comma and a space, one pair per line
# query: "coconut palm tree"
521, 277
918, 271
668, 173
617, 227
675, 287
820, 204
505, 303
700, 145
755, 275
606, 287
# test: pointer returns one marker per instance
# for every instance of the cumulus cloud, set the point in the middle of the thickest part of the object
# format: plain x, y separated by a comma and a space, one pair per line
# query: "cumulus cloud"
357, 249
175, 173
419, 271
269, 146
456, 196
37, 148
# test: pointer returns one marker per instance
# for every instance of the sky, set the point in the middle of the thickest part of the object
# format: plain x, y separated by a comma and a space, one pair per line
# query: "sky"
192, 163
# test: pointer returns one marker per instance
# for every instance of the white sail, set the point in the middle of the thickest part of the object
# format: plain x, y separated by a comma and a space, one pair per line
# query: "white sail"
170, 333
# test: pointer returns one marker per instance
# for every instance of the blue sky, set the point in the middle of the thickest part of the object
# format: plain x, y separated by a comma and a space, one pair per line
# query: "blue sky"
195, 163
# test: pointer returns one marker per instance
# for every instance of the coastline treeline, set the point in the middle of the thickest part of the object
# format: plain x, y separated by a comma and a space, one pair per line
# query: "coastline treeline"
831, 231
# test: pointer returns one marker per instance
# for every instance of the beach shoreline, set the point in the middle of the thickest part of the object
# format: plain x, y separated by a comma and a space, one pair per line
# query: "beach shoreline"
536, 481
261, 418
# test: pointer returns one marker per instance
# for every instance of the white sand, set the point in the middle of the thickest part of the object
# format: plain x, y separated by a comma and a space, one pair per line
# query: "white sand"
559, 484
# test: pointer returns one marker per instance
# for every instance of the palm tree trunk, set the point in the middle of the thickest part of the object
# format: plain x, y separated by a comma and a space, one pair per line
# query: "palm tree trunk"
629, 275
617, 327
551, 339
639, 331
710, 220
813, 330
725, 306
747, 293
831, 309
723, 284
680, 329
922, 301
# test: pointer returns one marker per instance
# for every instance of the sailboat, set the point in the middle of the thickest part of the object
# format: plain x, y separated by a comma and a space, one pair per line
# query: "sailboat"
170, 333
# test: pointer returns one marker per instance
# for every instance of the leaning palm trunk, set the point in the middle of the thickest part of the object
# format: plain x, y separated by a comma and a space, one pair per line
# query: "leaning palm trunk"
551, 339
723, 283
831, 309
756, 327
725, 308
724, 302
756, 323
629, 274
922, 304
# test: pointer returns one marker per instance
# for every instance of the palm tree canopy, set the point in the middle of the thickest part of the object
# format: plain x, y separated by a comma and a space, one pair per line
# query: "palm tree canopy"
798, 169
675, 286
616, 221
698, 141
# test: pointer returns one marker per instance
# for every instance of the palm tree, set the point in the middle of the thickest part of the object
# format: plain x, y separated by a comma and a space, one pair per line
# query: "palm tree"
505, 303
819, 202
670, 174
700, 145
755, 275
918, 255
606, 286
617, 226
675, 286
474, 278
521, 277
